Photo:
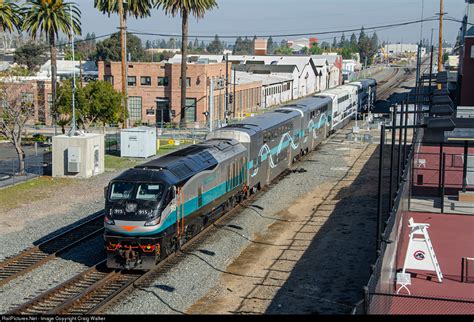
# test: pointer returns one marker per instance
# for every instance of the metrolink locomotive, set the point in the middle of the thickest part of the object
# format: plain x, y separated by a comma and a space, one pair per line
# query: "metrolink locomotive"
154, 208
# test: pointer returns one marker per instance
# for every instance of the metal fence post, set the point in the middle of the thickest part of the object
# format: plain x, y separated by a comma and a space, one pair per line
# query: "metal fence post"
379, 206
443, 183
366, 300
392, 148
400, 146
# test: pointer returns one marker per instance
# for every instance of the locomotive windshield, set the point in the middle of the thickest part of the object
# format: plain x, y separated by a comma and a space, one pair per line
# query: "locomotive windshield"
137, 191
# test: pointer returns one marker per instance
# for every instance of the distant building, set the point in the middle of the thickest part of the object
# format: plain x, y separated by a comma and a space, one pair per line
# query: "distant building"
260, 46
67, 68
154, 91
402, 49
301, 69
335, 68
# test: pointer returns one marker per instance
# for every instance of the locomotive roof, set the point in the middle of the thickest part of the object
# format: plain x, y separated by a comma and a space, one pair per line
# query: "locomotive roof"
262, 122
179, 166
309, 103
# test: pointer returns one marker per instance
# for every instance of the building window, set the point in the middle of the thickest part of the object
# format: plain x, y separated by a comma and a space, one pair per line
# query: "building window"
109, 78
145, 81
188, 82
50, 100
135, 108
132, 80
163, 81
190, 110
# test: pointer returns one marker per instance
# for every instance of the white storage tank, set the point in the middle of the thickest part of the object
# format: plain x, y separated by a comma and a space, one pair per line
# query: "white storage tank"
138, 142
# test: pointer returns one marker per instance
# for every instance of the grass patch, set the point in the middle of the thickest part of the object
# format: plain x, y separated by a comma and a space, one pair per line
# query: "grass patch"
31, 190
113, 163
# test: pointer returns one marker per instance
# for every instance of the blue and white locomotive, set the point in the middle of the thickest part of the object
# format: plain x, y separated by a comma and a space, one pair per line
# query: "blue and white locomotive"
154, 208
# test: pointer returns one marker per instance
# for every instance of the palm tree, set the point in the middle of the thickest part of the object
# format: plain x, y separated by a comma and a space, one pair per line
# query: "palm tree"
197, 8
136, 8
9, 16
51, 17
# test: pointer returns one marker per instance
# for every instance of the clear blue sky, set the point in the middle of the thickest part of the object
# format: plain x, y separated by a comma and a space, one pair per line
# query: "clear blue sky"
264, 17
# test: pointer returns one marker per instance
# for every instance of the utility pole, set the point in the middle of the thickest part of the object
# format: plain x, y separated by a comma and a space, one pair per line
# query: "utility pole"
422, 17
211, 104
123, 44
440, 49
226, 108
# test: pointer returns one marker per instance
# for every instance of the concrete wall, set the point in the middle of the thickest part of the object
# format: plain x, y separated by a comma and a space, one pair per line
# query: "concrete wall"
87, 144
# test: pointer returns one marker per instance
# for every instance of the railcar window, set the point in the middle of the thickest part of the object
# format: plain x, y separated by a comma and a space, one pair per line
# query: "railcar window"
121, 190
200, 197
151, 192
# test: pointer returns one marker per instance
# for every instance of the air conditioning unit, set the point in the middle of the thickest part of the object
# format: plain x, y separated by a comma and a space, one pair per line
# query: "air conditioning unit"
73, 159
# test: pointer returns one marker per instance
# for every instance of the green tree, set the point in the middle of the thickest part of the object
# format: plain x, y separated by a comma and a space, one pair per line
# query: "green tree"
85, 49
270, 46
315, 49
284, 50
364, 46
184, 8
10, 16
216, 46
353, 42
172, 43
344, 43
64, 103
334, 43
102, 104
51, 17
32, 54
97, 102
110, 49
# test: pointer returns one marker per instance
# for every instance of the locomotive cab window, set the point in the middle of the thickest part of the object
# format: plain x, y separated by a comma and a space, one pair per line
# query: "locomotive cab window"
149, 191
121, 190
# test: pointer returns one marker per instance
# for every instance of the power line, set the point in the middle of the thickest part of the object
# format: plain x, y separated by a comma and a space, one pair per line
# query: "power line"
393, 25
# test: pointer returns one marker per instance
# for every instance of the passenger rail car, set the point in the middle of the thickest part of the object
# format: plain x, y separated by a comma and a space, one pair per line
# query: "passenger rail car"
152, 209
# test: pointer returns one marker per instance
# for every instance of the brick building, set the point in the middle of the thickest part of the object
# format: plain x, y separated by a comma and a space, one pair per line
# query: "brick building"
154, 91
36, 90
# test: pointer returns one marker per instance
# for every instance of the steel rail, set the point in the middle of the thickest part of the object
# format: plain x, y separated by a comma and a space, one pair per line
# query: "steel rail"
35, 256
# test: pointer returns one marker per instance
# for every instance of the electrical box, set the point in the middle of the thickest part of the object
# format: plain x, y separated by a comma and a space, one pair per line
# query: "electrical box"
78, 156
73, 159
139, 142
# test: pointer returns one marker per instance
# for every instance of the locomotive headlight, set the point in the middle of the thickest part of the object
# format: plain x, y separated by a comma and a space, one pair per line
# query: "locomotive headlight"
153, 222
109, 221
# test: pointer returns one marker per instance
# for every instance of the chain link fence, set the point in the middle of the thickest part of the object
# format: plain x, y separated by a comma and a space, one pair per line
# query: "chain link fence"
35, 165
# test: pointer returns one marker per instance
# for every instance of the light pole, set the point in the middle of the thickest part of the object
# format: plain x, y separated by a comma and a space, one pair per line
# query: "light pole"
73, 83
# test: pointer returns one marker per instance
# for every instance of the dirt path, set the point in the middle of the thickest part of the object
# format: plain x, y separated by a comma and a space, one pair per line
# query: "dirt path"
295, 266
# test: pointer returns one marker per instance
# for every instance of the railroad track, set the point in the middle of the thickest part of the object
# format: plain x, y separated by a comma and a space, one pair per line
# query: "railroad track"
386, 85
33, 257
